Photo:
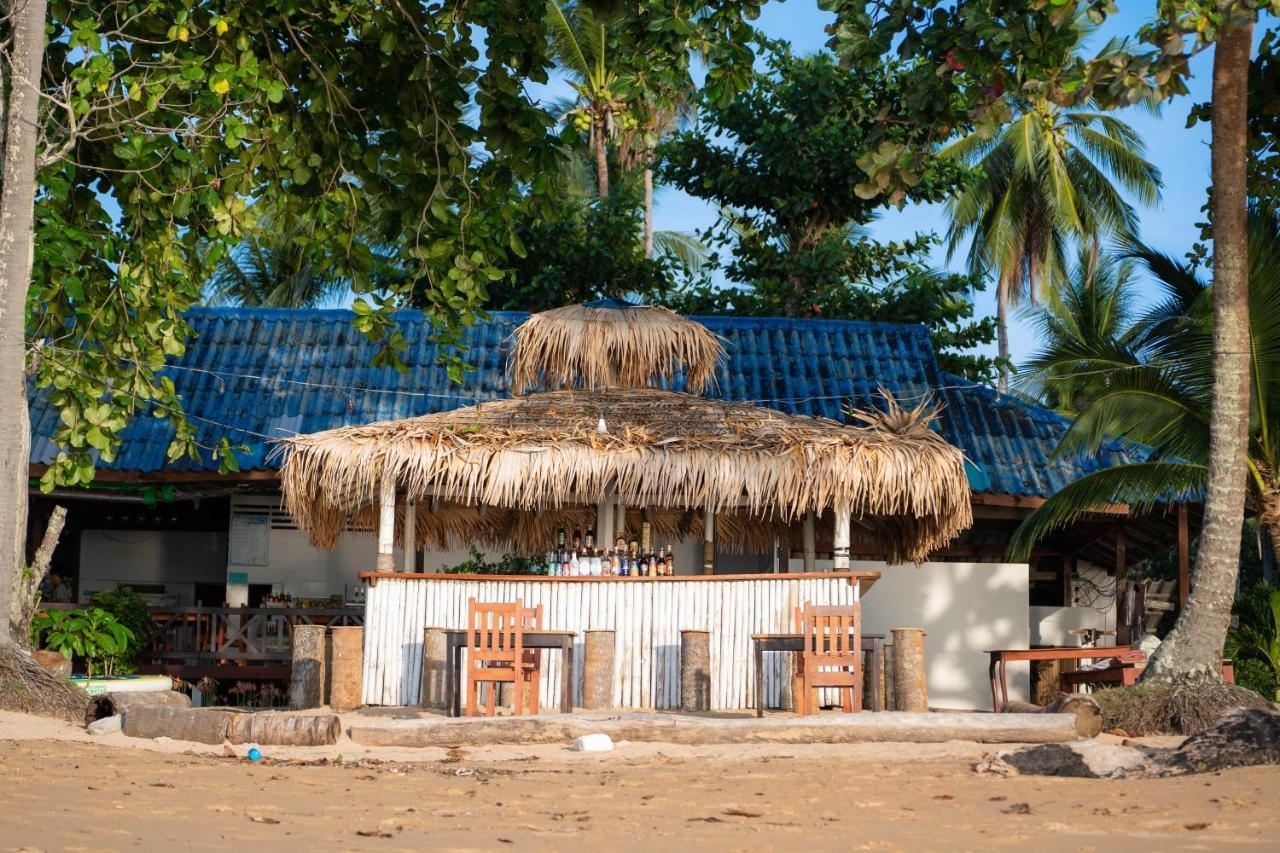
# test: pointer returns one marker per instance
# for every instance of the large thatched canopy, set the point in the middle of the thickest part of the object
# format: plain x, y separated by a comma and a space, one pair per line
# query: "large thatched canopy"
492, 468
612, 344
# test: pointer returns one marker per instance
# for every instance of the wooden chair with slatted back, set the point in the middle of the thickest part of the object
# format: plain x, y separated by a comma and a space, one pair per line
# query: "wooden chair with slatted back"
832, 655
496, 654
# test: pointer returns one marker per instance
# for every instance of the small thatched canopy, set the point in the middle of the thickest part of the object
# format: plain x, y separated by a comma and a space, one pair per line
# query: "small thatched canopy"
612, 344
904, 485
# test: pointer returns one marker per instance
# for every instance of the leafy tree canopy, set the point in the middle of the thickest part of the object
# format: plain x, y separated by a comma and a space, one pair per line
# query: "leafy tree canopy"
797, 162
402, 124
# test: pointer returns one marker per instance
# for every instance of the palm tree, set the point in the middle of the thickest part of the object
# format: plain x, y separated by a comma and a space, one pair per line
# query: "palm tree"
1157, 389
1089, 312
580, 44
274, 268
1051, 179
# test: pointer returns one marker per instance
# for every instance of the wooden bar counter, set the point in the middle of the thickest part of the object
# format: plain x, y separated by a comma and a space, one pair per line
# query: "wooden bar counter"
646, 615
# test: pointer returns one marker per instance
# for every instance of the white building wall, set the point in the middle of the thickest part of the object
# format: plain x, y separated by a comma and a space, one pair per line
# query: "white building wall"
965, 609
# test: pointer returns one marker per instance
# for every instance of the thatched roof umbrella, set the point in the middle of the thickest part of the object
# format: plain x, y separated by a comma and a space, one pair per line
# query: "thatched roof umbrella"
901, 482
612, 344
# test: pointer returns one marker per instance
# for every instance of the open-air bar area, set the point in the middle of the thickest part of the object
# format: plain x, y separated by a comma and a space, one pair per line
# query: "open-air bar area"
595, 439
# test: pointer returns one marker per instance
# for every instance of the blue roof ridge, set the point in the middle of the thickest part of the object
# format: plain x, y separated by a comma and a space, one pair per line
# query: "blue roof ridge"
243, 312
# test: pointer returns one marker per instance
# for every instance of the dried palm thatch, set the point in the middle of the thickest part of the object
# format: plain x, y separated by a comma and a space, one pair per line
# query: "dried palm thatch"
611, 344
659, 449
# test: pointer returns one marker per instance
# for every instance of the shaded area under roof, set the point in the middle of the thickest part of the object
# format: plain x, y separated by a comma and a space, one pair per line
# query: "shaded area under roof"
254, 374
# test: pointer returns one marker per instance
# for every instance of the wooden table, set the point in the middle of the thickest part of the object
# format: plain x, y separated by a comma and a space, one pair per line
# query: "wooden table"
1000, 658
795, 643
456, 642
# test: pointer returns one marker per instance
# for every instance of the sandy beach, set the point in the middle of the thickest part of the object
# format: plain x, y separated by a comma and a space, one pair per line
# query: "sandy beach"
65, 790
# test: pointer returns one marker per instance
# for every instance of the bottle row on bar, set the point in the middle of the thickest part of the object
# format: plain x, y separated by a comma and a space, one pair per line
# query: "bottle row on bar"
584, 557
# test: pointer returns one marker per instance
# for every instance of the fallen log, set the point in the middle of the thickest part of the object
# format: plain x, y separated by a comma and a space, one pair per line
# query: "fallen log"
282, 730
109, 704
1086, 711
199, 725
911, 727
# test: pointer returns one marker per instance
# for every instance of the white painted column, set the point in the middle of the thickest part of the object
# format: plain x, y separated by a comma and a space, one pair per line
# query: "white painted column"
810, 543
387, 525
410, 561
841, 550
708, 541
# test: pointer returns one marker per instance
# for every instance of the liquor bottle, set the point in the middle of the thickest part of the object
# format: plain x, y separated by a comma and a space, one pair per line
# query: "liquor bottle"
577, 538
596, 566
590, 541
620, 544
560, 538
653, 565
671, 563
551, 565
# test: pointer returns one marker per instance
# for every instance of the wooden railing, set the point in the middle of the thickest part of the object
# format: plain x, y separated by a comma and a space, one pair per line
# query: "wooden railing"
233, 641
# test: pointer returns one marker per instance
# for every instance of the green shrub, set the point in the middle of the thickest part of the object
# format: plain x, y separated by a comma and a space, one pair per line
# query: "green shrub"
92, 635
131, 610
1257, 676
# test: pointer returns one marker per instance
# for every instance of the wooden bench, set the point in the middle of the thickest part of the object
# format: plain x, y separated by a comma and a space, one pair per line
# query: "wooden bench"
1001, 658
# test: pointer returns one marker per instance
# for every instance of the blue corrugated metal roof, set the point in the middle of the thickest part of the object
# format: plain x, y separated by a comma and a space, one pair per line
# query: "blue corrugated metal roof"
276, 372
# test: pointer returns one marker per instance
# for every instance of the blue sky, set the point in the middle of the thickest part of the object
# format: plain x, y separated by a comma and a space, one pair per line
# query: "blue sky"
1181, 154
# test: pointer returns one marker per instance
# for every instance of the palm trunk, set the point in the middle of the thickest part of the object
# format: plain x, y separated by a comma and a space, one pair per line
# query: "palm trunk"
602, 162
648, 212
17, 203
1193, 648
1002, 336
1269, 559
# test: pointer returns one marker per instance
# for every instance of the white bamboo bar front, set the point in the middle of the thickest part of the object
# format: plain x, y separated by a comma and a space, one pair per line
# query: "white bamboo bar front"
646, 614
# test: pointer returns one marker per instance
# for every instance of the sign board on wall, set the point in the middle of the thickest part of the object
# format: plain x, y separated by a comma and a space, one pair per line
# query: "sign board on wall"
250, 536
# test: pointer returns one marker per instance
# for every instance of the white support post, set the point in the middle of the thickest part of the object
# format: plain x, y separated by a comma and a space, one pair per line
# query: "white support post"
810, 543
708, 541
841, 550
410, 561
387, 525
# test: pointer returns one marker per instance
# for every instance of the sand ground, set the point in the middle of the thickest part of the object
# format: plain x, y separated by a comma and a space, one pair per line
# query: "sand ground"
64, 790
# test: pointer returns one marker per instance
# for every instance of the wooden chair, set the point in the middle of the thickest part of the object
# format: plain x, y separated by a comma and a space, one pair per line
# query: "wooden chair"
832, 655
496, 655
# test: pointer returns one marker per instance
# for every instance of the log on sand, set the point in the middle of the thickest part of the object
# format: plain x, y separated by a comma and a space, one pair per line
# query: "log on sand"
282, 730
843, 728
199, 725
1086, 711
121, 703
208, 725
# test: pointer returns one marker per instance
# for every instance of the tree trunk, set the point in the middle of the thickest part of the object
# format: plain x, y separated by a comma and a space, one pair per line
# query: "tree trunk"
1270, 521
1193, 648
648, 212
1002, 336
602, 162
17, 202
24, 600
